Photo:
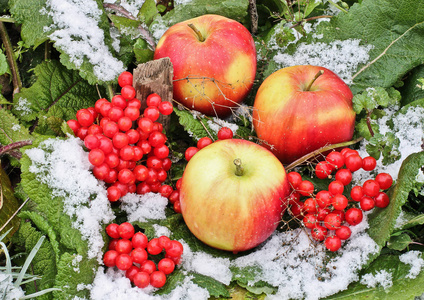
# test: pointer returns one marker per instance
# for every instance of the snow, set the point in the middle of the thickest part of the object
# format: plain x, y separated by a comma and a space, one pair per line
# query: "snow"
76, 32
215, 124
341, 57
23, 106
141, 208
414, 259
408, 128
64, 167
132, 6
380, 278
8, 290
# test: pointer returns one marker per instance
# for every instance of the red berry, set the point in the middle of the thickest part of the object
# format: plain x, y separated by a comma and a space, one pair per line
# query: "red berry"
153, 100
74, 125
367, 203
310, 221
339, 202
371, 188
156, 138
369, 163
141, 279
203, 142
174, 197
343, 232
175, 249
333, 243
225, 133
336, 187
125, 78
85, 117
336, 159
126, 230
138, 255
126, 176
96, 157
115, 113
310, 205
323, 170
306, 188
166, 265
332, 221
381, 200
113, 193
112, 230
148, 266
166, 108
344, 176
353, 216
294, 179
120, 140
319, 233
130, 273
353, 162
99, 103
323, 198
356, 193
119, 101
109, 258
157, 279
152, 113
385, 180
128, 92
190, 152
139, 240
91, 141
124, 261
154, 247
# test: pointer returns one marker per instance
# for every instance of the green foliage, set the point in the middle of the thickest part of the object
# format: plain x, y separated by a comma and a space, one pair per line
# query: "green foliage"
10, 128
8, 206
58, 92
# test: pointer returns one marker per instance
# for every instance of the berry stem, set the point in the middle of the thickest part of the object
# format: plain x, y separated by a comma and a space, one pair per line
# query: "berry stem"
198, 33
369, 123
13, 146
320, 72
239, 168
320, 151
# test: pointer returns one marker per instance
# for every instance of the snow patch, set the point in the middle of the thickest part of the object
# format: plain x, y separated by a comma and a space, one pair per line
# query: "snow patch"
380, 278
141, 208
414, 259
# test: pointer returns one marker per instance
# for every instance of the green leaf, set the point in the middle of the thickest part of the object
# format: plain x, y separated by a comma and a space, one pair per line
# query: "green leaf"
382, 221
196, 126
394, 28
403, 288
57, 92
412, 220
233, 9
8, 206
10, 129
129, 26
43, 264
4, 66
142, 51
34, 23
412, 89
74, 270
399, 242
147, 12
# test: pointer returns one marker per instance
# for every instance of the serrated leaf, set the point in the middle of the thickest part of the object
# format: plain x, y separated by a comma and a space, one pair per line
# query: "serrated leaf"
412, 220
147, 12
10, 129
4, 66
195, 126
35, 20
402, 287
412, 89
50, 126
58, 92
382, 221
43, 264
142, 51
129, 26
74, 270
394, 28
399, 242
8, 205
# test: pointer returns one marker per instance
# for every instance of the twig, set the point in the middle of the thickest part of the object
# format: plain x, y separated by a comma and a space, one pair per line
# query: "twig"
309, 19
319, 151
144, 33
13, 146
369, 123
253, 16
14, 214
13, 65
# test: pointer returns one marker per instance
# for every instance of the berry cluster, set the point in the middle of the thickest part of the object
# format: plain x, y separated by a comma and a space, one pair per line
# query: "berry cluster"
129, 251
224, 133
325, 212
118, 137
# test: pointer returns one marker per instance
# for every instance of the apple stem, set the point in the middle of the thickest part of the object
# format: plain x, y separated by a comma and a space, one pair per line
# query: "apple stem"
320, 72
239, 168
198, 33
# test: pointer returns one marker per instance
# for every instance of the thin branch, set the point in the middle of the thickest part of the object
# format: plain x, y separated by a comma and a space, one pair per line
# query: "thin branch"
309, 19
14, 214
14, 146
144, 32
320, 151
369, 123
253, 16
13, 65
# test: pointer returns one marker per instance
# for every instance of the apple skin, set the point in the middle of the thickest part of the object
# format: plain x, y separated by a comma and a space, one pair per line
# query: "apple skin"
227, 211
297, 122
221, 69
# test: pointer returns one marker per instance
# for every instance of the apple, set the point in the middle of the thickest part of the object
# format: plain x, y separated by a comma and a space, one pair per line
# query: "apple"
233, 194
302, 108
214, 61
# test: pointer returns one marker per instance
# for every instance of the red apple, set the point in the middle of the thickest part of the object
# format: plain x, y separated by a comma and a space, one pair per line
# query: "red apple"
233, 194
298, 110
214, 60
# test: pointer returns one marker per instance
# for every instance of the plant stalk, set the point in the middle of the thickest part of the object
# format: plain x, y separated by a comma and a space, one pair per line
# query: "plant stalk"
14, 146
320, 72
239, 168
369, 123
13, 65
198, 33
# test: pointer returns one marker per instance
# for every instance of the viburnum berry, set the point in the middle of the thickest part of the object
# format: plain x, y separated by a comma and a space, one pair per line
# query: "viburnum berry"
99, 103
339, 202
115, 113
139, 240
353, 216
154, 247
157, 279
85, 117
156, 138
371, 187
310, 220
126, 230
74, 125
323, 169
110, 129
143, 188
177, 207
112, 244
119, 101
305, 188
91, 142
113, 193
141, 279
190, 152
369, 163
124, 261
105, 107
333, 243
353, 162
95, 130
134, 103
344, 176
381, 200
130, 273
175, 249
133, 113
145, 124
347, 152
384, 180
139, 255
164, 241
153, 100
225, 133
319, 233
96, 157
294, 179
166, 265
154, 162
356, 193
125, 78
336, 159
148, 266
109, 258
140, 172
100, 172
126, 152
161, 151
126, 176
296, 209
323, 198
343, 232
336, 187
203, 142
332, 221
124, 123
322, 212
152, 113
128, 92
174, 197
120, 140
310, 205
165, 190
112, 230
123, 246
166, 108
367, 203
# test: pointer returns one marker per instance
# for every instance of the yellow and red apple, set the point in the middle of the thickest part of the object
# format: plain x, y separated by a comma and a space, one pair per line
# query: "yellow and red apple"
233, 194
302, 108
214, 61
